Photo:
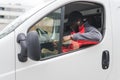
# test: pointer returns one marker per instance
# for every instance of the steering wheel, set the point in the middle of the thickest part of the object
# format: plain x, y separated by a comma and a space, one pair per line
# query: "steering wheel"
43, 35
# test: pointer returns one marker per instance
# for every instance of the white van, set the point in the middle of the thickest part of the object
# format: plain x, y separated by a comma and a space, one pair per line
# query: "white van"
23, 57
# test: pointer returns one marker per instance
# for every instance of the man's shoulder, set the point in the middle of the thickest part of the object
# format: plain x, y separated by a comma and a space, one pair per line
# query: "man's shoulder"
87, 24
89, 27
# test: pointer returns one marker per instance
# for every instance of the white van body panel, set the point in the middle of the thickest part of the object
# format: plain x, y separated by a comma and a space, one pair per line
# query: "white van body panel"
84, 64
7, 57
80, 65
115, 22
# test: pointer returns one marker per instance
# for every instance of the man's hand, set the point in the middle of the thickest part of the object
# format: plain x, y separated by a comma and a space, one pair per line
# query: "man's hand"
66, 38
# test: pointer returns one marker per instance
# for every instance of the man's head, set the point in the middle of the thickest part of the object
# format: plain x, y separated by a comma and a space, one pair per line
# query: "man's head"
75, 18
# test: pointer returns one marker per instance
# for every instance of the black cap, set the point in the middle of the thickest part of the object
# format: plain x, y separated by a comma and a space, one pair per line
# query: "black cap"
75, 16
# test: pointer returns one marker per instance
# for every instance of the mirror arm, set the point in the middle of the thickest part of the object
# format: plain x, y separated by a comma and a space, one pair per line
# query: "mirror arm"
21, 39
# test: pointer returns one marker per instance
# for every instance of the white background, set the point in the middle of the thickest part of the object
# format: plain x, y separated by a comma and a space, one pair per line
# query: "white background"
22, 2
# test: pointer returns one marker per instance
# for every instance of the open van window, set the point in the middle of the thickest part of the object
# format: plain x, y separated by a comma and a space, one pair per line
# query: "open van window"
53, 27
93, 13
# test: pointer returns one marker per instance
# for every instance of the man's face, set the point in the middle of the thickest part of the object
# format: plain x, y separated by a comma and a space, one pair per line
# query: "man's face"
77, 24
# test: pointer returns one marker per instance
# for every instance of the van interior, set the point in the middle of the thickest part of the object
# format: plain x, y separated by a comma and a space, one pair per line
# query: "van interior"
48, 27
93, 13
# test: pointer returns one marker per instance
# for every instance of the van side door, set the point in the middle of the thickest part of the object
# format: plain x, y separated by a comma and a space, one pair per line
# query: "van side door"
87, 63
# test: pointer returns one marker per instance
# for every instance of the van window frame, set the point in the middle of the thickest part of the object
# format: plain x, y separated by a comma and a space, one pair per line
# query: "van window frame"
62, 27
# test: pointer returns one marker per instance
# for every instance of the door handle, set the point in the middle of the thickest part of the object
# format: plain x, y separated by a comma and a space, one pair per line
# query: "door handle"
105, 59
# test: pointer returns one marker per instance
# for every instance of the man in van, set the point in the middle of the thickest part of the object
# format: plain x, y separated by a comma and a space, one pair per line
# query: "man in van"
79, 33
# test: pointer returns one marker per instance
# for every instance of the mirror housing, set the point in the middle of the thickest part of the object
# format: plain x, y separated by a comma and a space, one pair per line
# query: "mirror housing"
33, 46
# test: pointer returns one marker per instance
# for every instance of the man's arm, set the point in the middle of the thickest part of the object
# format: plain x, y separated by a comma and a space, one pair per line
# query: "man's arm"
93, 35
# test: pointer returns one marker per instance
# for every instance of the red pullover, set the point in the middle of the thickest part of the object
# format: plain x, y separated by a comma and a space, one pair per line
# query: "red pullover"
76, 44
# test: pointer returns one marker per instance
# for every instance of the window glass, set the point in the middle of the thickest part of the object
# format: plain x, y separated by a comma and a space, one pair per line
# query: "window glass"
82, 27
48, 30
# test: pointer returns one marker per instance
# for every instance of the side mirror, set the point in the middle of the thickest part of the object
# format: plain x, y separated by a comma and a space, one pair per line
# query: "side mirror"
30, 46
33, 46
